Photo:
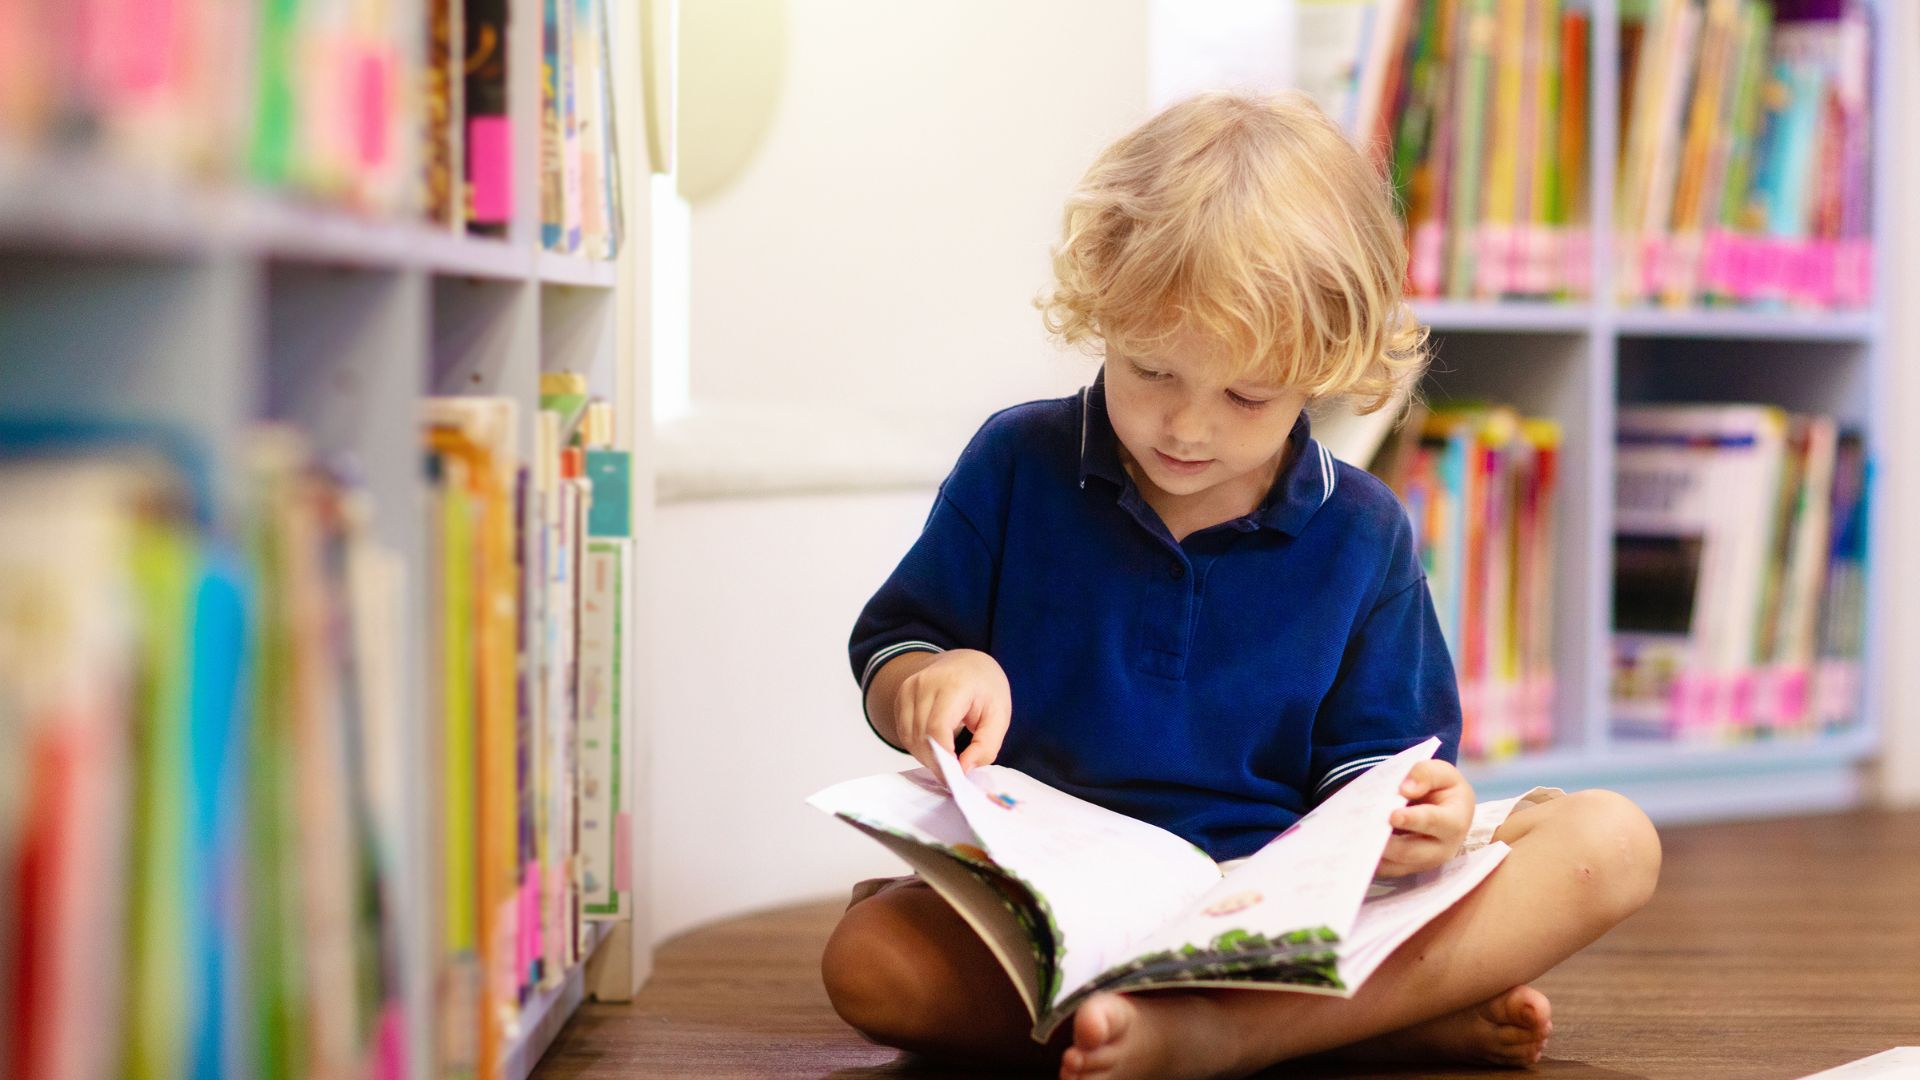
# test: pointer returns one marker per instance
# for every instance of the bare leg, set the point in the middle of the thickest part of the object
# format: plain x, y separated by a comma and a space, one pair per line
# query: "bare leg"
906, 971
1579, 865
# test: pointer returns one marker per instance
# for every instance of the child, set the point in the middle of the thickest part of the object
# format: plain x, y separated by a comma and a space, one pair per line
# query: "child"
1162, 595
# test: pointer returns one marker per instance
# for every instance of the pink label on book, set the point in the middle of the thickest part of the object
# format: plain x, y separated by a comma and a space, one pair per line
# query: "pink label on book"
622, 852
370, 119
1740, 691
1493, 245
1717, 275
390, 1043
1776, 268
1853, 272
1735, 266
1542, 260
1826, 261
1576, 260
490, 168
1425, 271
1696, 703
1803, 285
529, 916
1653, 253
148, 36
1793, 697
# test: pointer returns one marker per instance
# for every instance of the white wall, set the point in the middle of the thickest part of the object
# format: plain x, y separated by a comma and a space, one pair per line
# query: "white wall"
862, 293
864, 290
756, 706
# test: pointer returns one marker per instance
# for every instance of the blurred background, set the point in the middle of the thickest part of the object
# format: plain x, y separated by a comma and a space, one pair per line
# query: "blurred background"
446, 443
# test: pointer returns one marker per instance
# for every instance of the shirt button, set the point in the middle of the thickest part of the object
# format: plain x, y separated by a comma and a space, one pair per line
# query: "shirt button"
1176, 571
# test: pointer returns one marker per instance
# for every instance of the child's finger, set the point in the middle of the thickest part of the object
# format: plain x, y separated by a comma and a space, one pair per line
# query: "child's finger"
987, 737
1425, 820
1427, 777
1406, 852
944, 716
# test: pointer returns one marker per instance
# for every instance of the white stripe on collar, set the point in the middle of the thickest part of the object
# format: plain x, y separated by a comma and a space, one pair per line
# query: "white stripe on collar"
1329, 475
1083, 437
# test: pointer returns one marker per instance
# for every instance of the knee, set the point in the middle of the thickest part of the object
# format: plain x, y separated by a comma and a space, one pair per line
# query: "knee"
870, 975
1615, 850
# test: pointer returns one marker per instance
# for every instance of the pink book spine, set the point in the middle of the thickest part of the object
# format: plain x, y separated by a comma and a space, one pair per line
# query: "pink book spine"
529, 919
1428, 244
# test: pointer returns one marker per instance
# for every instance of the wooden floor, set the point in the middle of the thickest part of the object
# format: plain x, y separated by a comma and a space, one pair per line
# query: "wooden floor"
1772, 949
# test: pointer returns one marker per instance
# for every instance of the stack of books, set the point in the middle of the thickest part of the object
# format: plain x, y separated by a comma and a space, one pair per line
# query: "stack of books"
209, 787
1478, 483
302, 97
1739, 573
1744, 154
581, 210
361, 106
201, 814
1478, 110
532, 570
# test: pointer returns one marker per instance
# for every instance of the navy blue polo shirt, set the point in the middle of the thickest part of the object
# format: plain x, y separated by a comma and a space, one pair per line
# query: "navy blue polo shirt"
1218, 687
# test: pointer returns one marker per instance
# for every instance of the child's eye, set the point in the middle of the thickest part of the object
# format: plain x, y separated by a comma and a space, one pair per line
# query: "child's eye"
1245, 402
1148, 375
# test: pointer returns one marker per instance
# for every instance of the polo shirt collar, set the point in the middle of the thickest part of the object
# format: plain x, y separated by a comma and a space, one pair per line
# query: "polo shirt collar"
1304, 486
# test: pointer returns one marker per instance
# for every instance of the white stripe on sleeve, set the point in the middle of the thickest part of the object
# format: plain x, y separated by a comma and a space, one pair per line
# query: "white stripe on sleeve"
1350, 768
889, 653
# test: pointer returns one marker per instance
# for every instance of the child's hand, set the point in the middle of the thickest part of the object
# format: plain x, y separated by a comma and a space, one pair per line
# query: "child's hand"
960, 687
1429, 829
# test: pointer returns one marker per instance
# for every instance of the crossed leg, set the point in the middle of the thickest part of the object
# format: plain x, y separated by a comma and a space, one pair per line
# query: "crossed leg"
906, 971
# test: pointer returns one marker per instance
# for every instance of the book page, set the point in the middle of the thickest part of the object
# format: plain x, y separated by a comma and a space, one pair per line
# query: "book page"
913, 804
1402, 906
1303, 890
1104, 879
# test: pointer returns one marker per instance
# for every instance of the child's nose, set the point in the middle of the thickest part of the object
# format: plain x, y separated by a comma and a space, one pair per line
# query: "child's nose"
1187, 424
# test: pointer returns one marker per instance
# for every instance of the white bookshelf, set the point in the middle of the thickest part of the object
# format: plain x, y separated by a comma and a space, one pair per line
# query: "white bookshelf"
213, 310
1578, 363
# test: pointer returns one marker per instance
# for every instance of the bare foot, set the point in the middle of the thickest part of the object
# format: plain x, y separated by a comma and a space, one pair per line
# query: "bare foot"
1119, 1036
1509, 1028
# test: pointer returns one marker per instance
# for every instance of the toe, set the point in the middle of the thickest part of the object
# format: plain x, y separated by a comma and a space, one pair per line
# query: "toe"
1091, 1027
1524, 1007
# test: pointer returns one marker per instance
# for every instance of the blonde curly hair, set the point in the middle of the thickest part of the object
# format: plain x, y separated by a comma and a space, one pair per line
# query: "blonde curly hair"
1254, 222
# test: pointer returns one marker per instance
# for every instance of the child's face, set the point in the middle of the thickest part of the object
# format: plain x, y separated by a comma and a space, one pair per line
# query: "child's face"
1193, 432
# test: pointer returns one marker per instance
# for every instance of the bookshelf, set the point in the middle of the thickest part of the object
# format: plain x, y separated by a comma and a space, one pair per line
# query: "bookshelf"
1578, 363
213, 309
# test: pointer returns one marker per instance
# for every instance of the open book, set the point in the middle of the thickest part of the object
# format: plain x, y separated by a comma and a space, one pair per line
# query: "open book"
1074, 898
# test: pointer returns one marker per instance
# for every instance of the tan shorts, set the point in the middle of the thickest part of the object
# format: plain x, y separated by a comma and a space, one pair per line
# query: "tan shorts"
1487, 817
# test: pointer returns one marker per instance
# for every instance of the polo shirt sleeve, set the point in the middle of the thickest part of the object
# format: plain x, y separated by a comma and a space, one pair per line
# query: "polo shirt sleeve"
1396, 686
940, 597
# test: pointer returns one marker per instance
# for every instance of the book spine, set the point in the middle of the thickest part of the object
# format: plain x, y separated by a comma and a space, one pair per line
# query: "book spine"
489, 126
